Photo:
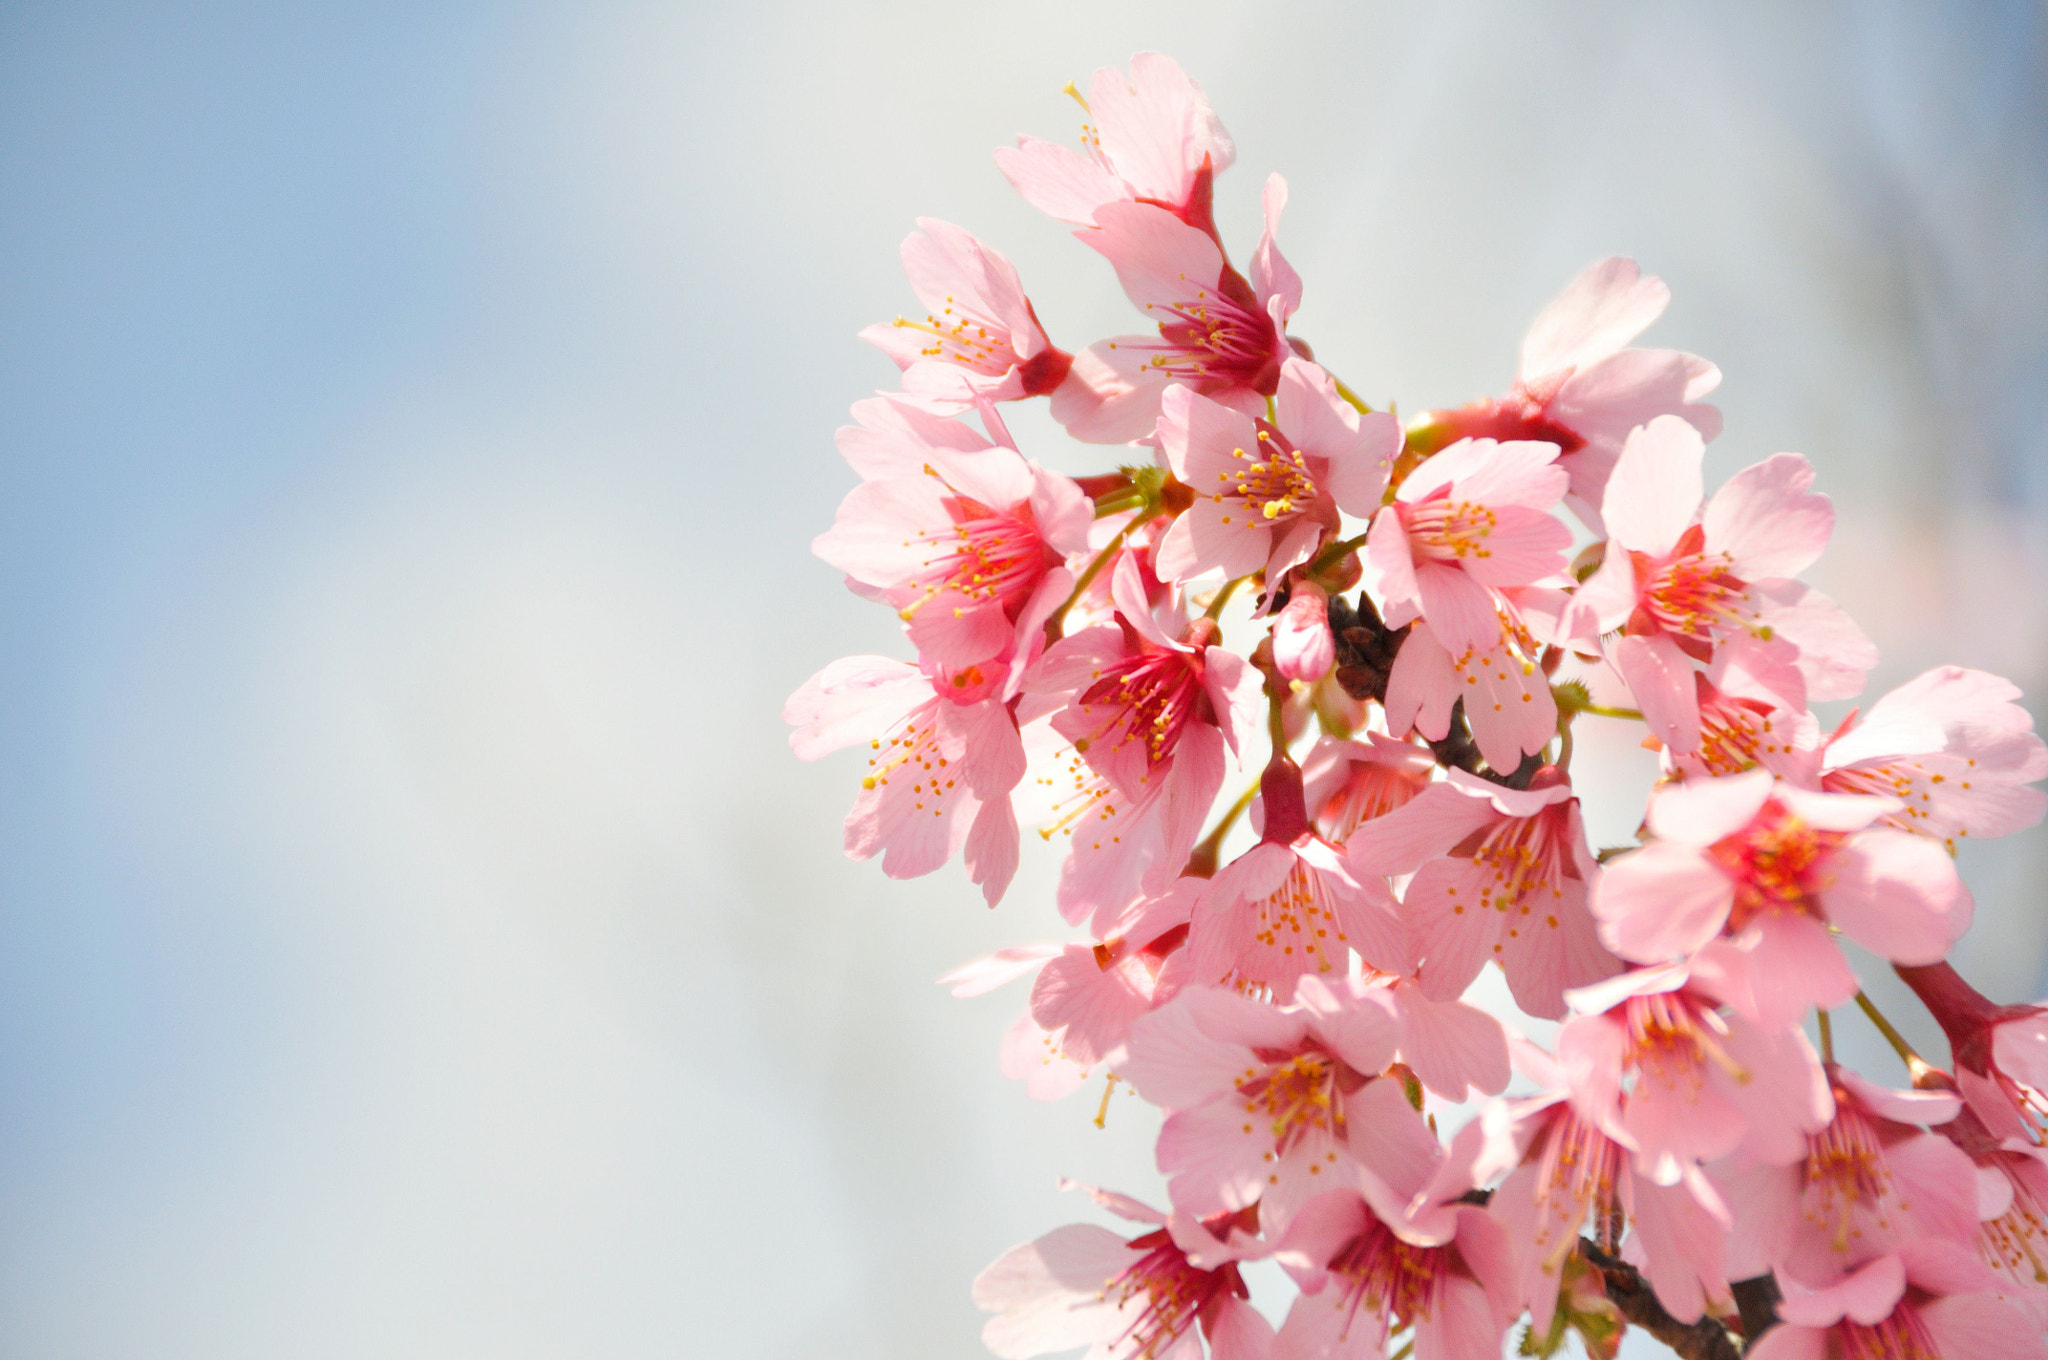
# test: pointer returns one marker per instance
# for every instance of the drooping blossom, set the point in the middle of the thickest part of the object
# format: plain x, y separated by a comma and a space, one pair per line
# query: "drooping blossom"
1375, 1258
1267, 492
1154, 139
969, 547
1089, 994
1220, 335
1156, 1296
1654, 1061
1683, 583
1872, 1182
2012, 1209
1776, 869
1145, 719
1954, 748
1500, 875
1468, 532
1911, 1305
1579, 386
2000, 1052
1269, 1106
1565, 1175
1291, 907
1348, 783
980, 335
944, 757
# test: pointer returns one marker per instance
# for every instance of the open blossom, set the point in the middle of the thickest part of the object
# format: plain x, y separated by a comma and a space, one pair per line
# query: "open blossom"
1581, 387
1954, 748
1774, 868
1154, 139
1682, 582
1220, 335
1270, 1106
2012, 1210
1290, 907
1089, 994
1146, 719
1500, 874
1152, 1297
944, 756
969, 547
1374, 1258
1873, 1181
1706, 1082
1266, 492
1505, 695
1912, 1305
1745, 722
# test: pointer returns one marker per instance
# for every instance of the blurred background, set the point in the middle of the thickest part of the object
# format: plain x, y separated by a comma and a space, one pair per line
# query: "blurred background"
415, 936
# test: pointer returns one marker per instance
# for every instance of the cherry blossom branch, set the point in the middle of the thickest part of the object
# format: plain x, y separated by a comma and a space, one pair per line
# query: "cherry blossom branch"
1705, 1339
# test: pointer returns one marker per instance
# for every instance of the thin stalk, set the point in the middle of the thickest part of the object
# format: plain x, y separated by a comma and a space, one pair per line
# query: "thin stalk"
1054, 626
1332, 555
1827, 1037
1211, 846
1603, 711
1916, 1066
1229, 588
1345, 392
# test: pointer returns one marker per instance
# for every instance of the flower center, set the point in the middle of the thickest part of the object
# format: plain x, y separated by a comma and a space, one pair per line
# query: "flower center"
1297, 921
1672, 1038
1698, 595
1902, 1336
1211, 342
1151, 697
1296, 1097
1386, 1276
1578, 1175
1173, 1292
1444, 530
1845, 1168
1777, 863
987, 556
1272, 484
959, 336
2016, 1240
1370, 790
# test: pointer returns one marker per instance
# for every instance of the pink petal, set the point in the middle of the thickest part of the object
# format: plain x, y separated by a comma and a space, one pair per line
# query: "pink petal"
1607, 305
1452, 1046
1982, 1328
1272, 276
1899, 896
1766, 519
1790, 964
1453, 926
1661, 679
1700, 812
1661, 902
1057, 180
1653, 494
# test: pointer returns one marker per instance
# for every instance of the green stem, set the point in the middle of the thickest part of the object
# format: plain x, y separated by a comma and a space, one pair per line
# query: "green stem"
1915, 1064
1229, 588
1205, 854
1345, 392
1603, 711
1827, 1037
1332, 555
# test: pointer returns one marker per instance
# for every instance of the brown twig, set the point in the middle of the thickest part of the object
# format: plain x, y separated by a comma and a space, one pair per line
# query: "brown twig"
1702, 1340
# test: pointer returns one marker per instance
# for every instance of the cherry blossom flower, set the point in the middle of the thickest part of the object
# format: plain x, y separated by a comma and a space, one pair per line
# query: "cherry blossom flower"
1579, 387
1872, 1181
1954, 748
1684, 583
1705, 1082
1774, 868
1349, 783
1154, 139
1152, 1297
1091, 993
945, 755
1268, 1106
970, 548
1374, 1259
1303, 649
980, 336
1744, 723
1290, 907
2012, 1210
1505, 695
1220, 335
1146, 719
1267, 492
1500, 874
1899, 1307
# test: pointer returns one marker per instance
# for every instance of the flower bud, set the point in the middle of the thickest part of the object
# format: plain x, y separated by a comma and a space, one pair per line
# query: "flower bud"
1302, 646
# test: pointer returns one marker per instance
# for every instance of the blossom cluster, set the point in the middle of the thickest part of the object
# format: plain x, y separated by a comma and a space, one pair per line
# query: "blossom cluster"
1683, 1157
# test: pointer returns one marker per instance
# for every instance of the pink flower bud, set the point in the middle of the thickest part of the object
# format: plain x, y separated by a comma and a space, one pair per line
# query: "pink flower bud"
1302, 646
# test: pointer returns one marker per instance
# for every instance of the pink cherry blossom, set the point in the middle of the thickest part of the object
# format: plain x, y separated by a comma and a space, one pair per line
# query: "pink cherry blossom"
1349, 783
981, 334
1683, 583
1579, 387
1221, 335
1269, 1106
1267, 492
1745, 723
1954, 748
1145, 1298
1290, 907
1774, 867
945, 756
1371, 1261
1154, 139
1896, 1308
970, 548
1500, 874
1706, 1082
1090, 994
2001, 1052
1872, 1181
1505, 695
2012, 1210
